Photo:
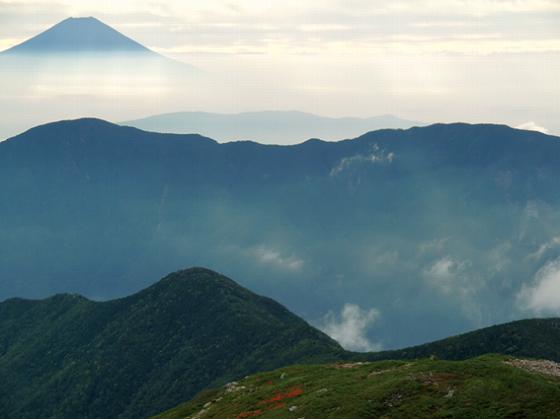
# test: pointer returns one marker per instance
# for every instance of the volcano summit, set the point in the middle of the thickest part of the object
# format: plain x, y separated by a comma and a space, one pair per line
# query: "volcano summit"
79, 35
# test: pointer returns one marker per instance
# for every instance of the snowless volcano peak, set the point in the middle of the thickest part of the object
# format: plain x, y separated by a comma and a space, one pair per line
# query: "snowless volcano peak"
79, 35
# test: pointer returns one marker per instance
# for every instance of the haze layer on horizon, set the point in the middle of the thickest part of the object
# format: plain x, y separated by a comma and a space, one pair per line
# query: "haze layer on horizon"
427, 60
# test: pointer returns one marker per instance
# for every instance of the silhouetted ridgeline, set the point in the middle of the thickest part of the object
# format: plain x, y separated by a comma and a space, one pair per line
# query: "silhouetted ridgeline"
439, 228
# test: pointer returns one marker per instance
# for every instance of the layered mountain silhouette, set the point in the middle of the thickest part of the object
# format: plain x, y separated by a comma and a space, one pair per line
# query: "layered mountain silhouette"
441, 229
69, 357
276, 127
79, 36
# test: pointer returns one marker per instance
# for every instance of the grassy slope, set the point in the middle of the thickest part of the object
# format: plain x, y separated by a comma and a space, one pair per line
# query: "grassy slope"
482, 387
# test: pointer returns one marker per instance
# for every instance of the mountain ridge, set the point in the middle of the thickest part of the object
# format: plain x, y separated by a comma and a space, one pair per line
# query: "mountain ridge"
85, 123
271, 127
422, 211
136, 355
92, 125
531, 338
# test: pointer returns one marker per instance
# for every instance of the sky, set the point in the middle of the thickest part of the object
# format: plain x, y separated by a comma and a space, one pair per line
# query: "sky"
424, 60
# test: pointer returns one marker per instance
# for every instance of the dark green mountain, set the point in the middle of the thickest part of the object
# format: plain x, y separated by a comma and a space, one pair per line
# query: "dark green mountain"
441, 229
535, 338
69, 357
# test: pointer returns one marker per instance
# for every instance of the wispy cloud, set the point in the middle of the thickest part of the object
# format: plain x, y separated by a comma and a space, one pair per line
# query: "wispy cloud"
444, 273
351, 326
545, 247
412, 26
532, 126
376, 156
452, 276
270, 256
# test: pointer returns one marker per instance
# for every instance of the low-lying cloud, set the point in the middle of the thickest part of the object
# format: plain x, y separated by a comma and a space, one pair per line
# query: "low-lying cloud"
543, 295
377, 156
351, 326
532, 126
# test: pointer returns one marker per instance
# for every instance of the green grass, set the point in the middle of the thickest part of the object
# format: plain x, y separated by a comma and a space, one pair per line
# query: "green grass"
484, 387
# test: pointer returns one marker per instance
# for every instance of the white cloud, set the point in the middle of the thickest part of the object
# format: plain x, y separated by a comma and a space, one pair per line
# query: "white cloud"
457, 281
545, 247
350, 328
444, 273
455, 7
377, 156
287, 26
451, 276
543, 295
269, 256
532, 126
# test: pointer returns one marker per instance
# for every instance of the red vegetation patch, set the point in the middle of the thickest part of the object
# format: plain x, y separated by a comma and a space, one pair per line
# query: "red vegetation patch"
272, 404
249, 414
290, 394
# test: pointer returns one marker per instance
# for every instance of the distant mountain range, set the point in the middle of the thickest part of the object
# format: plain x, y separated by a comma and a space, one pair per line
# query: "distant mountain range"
438, 229
69, 357
272, 127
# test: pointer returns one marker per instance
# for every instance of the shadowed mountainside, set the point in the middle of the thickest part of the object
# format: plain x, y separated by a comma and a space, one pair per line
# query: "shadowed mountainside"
439, 228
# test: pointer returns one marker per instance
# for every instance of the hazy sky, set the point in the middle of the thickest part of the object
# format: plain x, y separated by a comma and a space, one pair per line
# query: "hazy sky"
429, 60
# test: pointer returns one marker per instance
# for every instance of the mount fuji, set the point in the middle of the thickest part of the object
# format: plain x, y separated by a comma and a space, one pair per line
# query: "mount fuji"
82, 66
79, 35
